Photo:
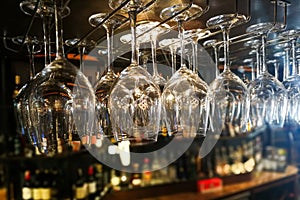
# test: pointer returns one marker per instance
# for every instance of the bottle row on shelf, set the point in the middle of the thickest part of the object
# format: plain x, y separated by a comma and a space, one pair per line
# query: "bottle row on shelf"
56, 178
89, 183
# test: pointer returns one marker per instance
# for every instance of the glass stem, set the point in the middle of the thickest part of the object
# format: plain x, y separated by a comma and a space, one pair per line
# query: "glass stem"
58, 30
258, 71
216, 52
253, 77
134, 54
286, 63
225, 32
153, 52
81, 50
173, 57
294, 70
30, 49
46, 29
263, 49
195, 55
109, 36
181, 35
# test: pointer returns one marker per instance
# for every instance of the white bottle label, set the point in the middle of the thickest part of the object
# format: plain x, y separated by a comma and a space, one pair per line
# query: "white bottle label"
26, 193
92, 187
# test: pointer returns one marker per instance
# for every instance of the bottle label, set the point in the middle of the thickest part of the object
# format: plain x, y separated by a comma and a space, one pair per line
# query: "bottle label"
92, 187
46, 193
26, 193
36, 193
80, 192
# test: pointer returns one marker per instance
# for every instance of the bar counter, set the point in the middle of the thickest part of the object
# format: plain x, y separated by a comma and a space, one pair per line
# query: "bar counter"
259, 183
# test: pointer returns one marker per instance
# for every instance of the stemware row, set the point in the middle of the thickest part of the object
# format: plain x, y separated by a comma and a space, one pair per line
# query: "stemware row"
136, 105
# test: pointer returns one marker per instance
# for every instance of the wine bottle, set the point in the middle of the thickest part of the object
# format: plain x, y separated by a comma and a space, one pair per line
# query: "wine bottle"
80, 186
27, 186
37, 187
92, 184
54, 184
45, 185
99, 177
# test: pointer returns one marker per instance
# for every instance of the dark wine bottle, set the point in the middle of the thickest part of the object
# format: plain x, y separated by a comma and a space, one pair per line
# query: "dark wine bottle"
45, 183
27, 186
80, 186
99, 177
92, 184
37, 187
54, 184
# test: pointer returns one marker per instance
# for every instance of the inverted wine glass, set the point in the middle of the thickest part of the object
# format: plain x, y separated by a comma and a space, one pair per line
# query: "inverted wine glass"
292, 82
61, 100
21, 102
268, 95
20, 106
134, 102
228, 94
104, 84
184, 98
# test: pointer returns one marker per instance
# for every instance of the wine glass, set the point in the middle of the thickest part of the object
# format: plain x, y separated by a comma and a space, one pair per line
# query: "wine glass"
61, 100
106, 81
184, 97
134, 102
268, 95
20, 106
228, 94
21, 102
292, 82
